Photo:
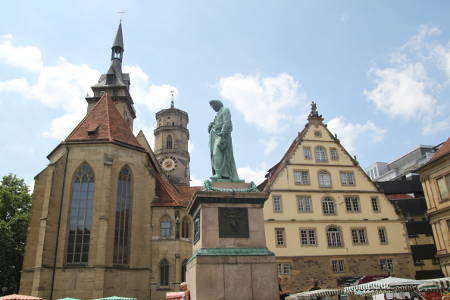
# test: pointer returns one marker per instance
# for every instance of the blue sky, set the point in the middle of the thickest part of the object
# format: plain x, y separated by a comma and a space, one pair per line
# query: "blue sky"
379, 71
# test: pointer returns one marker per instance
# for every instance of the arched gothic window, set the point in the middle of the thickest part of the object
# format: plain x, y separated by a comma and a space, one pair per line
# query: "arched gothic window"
164, 272
169, 142
321, 154
80, 219
165, 228
334, 237
324, 179
123, 217
185, 225
328, 206
183, 270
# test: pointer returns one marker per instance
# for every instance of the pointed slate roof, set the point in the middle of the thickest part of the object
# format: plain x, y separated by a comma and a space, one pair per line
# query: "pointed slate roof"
104, 123
118, 40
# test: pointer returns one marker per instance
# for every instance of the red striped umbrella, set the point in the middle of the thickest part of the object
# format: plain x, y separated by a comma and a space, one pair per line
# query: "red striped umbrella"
20, 297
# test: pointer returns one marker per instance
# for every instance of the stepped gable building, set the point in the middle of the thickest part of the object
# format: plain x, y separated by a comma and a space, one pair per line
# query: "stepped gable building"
106, 219
325, 220
435, 178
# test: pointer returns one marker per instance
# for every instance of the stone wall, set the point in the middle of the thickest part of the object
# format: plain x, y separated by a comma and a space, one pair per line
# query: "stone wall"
306, 270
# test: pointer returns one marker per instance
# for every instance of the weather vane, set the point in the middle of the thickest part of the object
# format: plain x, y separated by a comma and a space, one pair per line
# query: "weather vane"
121, 13
172, 102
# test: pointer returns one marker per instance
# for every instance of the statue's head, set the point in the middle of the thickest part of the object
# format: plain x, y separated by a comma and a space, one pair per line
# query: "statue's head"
216, 104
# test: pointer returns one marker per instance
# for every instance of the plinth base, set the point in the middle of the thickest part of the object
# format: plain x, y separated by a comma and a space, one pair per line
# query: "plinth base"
232, 277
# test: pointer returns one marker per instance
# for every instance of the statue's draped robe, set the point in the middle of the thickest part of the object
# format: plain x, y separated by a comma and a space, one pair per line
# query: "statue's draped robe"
221, 146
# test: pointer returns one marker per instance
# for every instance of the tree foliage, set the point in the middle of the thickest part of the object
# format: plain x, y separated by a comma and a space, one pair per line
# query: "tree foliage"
15, 207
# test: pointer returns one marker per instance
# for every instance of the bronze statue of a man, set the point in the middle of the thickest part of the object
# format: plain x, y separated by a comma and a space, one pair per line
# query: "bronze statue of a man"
220, 144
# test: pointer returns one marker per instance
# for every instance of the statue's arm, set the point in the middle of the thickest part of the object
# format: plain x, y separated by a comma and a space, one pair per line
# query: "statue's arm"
227, 126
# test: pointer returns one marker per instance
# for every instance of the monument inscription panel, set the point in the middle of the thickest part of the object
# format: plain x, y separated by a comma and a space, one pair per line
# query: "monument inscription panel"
233, 222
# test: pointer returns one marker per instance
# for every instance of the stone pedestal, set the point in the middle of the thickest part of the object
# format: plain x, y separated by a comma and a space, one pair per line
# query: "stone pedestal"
230, 259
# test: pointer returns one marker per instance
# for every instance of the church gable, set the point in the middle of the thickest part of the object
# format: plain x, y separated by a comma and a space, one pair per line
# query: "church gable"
104, 123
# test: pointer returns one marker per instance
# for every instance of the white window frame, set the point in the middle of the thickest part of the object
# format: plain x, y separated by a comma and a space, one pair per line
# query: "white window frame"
338, 266
334, 154
328, 206
277, 204
359, 236
321, 154
307, 154
280, 237
347, 178
302, 177
304, 203
375, 204
284, 268
352, 204
382, 235
308, 237
323, 181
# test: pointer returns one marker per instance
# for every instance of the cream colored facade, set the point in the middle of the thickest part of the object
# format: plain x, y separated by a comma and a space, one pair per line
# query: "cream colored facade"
318, 256
435, 177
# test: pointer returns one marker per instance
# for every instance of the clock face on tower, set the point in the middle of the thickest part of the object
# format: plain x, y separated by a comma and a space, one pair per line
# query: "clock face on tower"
169, 163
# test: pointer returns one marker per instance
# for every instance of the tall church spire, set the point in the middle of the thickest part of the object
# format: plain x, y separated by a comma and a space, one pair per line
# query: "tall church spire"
117, 47
115, 82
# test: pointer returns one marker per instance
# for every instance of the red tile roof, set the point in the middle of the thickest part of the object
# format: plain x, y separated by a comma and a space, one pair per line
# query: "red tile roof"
104, 123
444, 149
170, 195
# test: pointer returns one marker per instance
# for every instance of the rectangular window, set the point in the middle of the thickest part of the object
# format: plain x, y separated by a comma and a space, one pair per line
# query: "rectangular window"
386, 265
347, 178
443, 184
307, 152
301, 177
280, 237
284, 269
304, 204
375, 204
277, 206
308, 237
337, 266
359, 236
333, 154
352, 204
382, 235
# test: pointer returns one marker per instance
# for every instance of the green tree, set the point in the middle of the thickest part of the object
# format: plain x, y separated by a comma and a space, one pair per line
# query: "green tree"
15, 207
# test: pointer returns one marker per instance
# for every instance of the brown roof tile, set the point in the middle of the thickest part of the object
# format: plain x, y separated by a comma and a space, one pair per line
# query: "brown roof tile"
399, 196
103, 123
444, 149
170, 195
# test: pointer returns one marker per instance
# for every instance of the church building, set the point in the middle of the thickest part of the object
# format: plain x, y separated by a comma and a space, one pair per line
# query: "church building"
108, 212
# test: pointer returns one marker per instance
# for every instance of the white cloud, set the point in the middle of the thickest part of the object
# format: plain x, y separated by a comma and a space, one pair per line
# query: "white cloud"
270, 144
350, 133
18, 85
154, 97
411, 88
256, 175
195, 181
63, 86
269, 103
401, 92
26, 57
191, 147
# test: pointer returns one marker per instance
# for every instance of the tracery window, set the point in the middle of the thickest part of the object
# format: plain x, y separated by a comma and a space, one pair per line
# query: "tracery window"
185, 224
123, 217
164, 272
80, 219
165, 228
169, 142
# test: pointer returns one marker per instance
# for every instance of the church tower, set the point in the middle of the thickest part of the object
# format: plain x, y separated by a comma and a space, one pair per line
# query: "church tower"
171, 144
115, 83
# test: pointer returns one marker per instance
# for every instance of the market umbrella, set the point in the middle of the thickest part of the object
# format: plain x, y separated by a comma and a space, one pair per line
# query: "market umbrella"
438, 284
316, 293
114, 298
378, 287
19, 297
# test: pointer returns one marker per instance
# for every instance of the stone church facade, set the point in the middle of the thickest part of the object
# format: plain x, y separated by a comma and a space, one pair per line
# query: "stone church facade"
108, 212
